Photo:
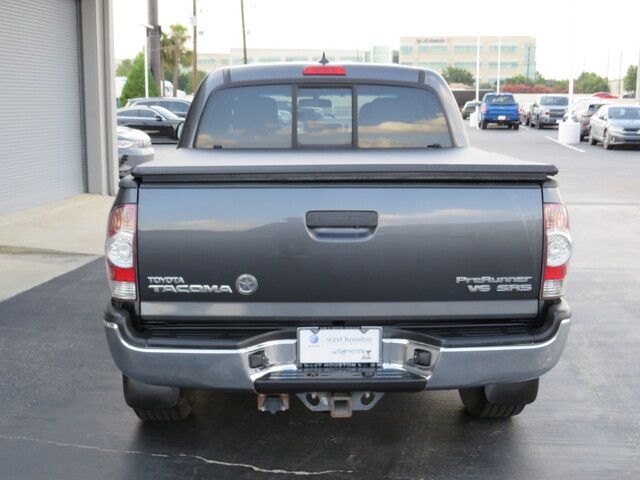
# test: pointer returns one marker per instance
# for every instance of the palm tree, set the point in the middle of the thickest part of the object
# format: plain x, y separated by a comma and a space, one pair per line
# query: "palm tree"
174, 52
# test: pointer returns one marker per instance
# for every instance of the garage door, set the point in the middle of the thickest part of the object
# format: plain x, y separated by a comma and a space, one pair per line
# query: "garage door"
41, 144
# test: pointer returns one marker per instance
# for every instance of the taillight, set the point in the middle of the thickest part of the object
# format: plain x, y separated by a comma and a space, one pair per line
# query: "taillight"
484, 108
557, 249
120, 252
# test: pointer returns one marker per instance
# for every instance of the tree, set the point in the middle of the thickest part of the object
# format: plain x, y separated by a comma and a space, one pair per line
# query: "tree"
630, 78
458, 75
134, 86
124, 67
589, 82
174, 51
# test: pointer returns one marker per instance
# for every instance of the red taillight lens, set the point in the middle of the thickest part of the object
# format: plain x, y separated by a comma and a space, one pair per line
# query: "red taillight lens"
120, 252
324, 71
558, 248
484, 108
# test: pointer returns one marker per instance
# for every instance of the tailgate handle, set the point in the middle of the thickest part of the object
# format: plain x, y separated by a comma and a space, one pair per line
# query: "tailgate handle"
342, 219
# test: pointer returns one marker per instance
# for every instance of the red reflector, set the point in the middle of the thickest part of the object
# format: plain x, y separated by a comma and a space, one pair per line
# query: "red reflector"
555, 273
118, 274
324, 71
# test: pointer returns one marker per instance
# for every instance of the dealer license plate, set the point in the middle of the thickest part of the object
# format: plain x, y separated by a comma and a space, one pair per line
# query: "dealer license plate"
339, 345
502, 117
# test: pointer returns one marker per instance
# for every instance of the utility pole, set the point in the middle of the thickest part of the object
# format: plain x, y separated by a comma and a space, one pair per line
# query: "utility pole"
638, 78
244, 34
499, 55
194, 55
620, 75
154, 43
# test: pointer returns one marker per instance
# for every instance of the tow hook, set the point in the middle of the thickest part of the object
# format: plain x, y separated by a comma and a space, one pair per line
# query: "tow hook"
273, 403
341, 405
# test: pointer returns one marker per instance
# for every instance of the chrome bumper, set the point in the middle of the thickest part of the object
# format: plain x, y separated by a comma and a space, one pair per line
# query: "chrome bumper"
229, 370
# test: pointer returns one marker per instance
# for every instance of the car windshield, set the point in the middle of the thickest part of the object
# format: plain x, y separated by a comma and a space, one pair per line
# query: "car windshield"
500, 99
169, 115
625, 113
554, 101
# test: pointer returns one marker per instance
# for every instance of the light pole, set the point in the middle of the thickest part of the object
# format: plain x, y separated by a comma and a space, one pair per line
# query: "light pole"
569, 130
477, 68
194, 55
147, 28
499, 55
638, 78
244, 34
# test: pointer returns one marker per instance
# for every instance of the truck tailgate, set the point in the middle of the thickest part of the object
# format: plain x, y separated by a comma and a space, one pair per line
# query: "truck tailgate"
323, 252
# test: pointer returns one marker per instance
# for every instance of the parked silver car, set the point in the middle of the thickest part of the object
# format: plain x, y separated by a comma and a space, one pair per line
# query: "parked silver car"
615, 125
582, 111
134, 148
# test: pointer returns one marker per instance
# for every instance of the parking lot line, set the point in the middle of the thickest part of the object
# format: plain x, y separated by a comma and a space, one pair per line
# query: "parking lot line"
564, 144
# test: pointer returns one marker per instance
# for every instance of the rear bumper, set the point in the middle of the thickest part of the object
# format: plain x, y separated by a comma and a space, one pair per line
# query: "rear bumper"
508, 118
229, 369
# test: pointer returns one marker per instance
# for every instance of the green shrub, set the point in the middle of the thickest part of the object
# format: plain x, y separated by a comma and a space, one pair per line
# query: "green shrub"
134, 86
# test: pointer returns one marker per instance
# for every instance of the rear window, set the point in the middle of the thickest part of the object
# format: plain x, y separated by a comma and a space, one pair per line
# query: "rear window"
362, 116
500, 99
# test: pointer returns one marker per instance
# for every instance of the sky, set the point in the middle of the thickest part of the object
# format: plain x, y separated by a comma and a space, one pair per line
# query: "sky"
604, 31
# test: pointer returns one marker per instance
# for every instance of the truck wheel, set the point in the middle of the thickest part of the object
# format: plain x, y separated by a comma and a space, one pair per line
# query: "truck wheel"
540, 126
499, 400
154, 403
483, 125
516, 126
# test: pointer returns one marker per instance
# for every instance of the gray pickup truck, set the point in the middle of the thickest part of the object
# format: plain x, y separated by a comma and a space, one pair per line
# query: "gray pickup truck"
325, 232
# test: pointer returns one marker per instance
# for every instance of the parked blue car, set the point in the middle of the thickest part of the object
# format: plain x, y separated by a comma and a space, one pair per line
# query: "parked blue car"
499, 108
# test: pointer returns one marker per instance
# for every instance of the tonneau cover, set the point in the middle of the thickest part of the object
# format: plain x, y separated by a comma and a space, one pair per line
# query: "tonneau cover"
309, 165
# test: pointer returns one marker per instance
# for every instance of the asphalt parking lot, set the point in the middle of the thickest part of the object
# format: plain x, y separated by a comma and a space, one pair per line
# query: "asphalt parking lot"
62, 415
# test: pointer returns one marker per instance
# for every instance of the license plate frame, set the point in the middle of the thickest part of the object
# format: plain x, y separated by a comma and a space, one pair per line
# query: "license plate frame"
502, 117
339, 345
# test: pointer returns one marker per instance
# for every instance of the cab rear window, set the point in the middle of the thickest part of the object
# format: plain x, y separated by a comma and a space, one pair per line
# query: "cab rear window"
287, 116
500, 99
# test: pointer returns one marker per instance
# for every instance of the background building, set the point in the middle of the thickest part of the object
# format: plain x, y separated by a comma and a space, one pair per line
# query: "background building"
518, 55
210, 61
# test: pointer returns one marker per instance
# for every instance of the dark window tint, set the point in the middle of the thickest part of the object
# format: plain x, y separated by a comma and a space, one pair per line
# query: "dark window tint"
397, 117
324, 116
245, 117
500, 99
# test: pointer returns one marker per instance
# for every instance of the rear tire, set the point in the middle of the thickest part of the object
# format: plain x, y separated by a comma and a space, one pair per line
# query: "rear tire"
153, 403
499, 401
516, 127
540, 126
179, 412
591, 140
483, 125
606, 141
